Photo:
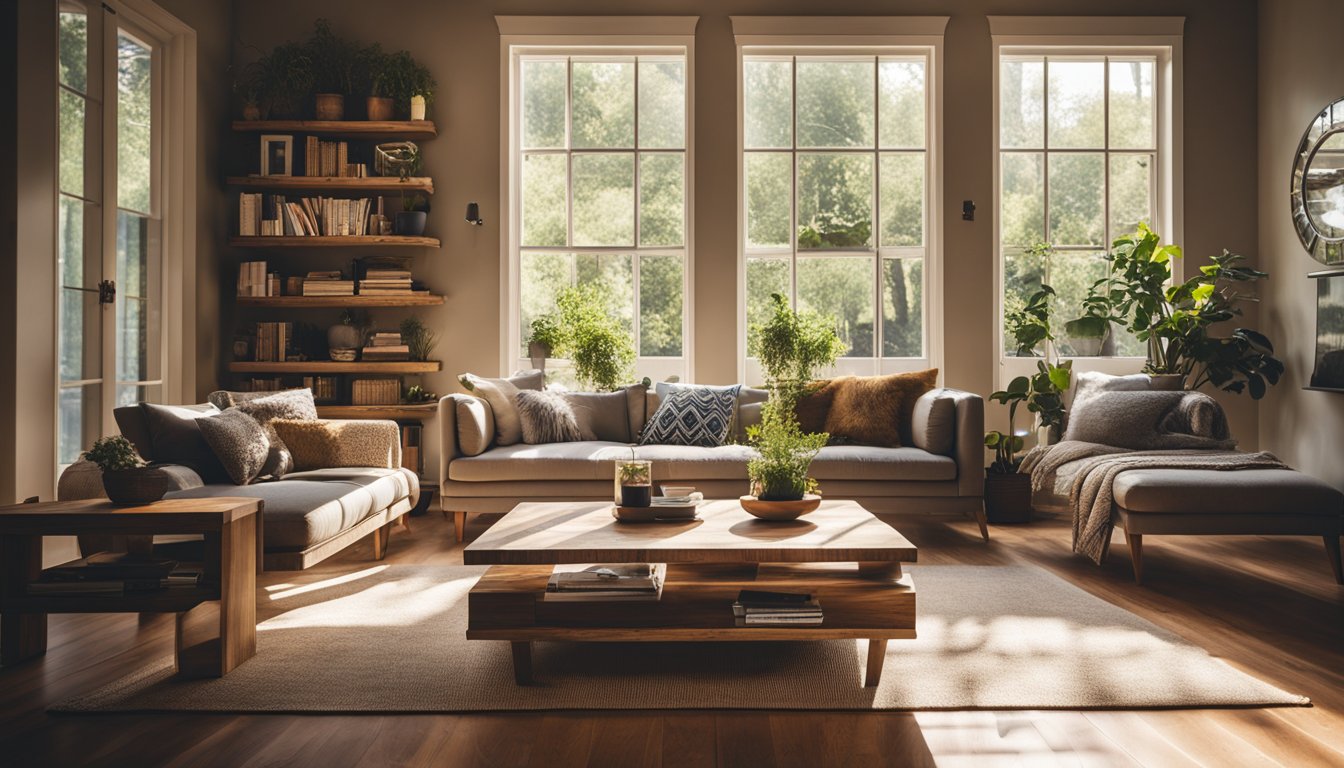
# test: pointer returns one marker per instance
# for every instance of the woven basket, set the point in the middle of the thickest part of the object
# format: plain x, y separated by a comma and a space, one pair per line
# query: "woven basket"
1008, 498
132, 487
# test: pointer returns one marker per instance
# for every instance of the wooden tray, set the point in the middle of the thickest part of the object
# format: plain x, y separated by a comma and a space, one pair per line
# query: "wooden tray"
652, 515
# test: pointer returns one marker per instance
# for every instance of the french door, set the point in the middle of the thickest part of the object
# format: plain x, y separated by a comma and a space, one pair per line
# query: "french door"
109, 253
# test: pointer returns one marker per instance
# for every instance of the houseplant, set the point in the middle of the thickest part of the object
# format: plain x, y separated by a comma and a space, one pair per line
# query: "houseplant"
791, 347
543, 340
333, 63
283, 79
346, 337
410, 221
126, 479
594, 340
1007, 491
371, 69
1031, 327
418, 338
634, 478
405, 80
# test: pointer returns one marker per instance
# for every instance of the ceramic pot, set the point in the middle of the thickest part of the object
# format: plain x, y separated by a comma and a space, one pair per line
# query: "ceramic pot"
130, 487
411, 223
1008, 497
342, 336
417, 107
251, 112
379, 107
538, 352
329, 106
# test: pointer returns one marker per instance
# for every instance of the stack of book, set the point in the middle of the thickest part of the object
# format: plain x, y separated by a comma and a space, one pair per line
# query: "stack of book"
253, 279
270, 215
273, 340
114, 573
386, 346
330, 158
272, 384
327, 283
757, 608
385, 282
324, 387
617, 582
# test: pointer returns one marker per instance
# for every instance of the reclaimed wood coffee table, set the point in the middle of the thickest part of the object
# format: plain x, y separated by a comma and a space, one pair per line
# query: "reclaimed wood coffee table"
847, 558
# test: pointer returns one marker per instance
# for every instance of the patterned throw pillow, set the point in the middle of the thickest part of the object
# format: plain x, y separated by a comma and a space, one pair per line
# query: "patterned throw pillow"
546, 417
289, 404
239, 442
700, 417
321, 444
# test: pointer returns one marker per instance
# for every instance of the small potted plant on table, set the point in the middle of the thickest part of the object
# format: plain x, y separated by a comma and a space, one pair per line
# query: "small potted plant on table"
634, 483
126, 478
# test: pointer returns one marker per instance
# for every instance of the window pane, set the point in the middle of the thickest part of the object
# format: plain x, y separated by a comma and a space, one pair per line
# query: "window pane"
835, 103
1022, 103
70, 240
900, 106
661, 199
80, 332
134, 113
661, 281
603, 104
130, 394
1132, 105
1077, 199
767, 103
614, 272
1072, 275
541, 276
604, 199
835, 200
764, 277
841, 288
901, 197
902, 307
662, 104
543, 200
74, 53
72, 143
768, 182
79, 421
137, 304
1131, 192
1022, 200
543, 96
1023, 274
1077, 104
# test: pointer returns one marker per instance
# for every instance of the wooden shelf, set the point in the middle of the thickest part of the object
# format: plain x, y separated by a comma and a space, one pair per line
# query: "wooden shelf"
423, 184
350, 129
330, 302
348, 241
407, 412
331, 366
170, 600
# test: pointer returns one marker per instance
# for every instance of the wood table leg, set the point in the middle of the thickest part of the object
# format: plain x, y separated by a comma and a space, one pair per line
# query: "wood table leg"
381, 534
459, 524
522, 663
877, 653
22, 635
210, 644
1332, 552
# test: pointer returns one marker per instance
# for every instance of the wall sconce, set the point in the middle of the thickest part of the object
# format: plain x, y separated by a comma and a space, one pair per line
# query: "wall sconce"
474, 214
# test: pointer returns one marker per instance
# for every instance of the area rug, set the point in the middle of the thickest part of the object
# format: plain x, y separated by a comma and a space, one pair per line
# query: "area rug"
391, 639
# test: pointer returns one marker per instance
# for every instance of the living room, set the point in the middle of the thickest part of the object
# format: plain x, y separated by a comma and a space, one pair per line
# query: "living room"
693, 383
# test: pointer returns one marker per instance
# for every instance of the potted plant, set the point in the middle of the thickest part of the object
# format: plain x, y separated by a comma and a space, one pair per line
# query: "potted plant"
248, 86
284, 78
592, 338
416, 394
346, 337
545, 338
634, 479
371, 74
791, 347
418, 338
1030, 325
126, 478
1007, 491
333, 62
410, 221
409, 84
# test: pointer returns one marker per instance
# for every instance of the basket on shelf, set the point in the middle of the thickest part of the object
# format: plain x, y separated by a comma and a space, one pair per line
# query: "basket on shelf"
375, 391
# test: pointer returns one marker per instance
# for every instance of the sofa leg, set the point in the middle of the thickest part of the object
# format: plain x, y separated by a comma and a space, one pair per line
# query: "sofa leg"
459, 524
1135, 541
1332, 551
380, 536
979, 515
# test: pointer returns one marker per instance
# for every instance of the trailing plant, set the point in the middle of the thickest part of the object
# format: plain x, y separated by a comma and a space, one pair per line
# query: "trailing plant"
332, 58
418, 338
404, 78
784, 453
371, 70
114, 454
792, 345
1030, 325
283, 80
593, 339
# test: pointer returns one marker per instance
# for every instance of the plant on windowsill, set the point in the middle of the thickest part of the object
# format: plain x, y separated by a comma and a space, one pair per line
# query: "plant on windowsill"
126, 478
593, 339
1030, 327
544, 338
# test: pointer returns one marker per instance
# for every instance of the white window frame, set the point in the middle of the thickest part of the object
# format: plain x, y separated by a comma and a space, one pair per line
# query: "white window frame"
1060, 36
579, 36
867, 36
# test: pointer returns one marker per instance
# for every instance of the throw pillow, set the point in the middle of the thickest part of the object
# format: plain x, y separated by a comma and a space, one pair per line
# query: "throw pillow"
933, 424
1152, 420
327, 443
475, 426
502, 395
700, 416
665, 388
175, 437
547, 417
288, 404
750, 400
239, 443
812, 408
601, 415
877, 410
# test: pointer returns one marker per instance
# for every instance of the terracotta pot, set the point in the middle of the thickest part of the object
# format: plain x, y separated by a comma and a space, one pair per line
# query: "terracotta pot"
130, 487
411, 223
1008, 497
379, 107
329, 106
251, 112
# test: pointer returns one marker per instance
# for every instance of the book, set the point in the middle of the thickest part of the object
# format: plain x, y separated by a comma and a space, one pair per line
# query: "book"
756, 607
778, 621
609, 578
599, 596
102, 566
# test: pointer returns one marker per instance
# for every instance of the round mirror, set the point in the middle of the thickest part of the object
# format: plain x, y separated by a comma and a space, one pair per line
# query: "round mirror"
1318, 186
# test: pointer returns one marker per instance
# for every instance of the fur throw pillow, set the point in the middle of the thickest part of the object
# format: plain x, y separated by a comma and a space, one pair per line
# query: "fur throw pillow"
876, 410
289, 404
546, 417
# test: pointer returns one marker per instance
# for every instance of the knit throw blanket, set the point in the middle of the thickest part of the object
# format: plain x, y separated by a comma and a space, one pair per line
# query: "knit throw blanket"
1091, 494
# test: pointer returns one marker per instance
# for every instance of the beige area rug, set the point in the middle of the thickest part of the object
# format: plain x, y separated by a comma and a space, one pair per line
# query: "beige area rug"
391, 639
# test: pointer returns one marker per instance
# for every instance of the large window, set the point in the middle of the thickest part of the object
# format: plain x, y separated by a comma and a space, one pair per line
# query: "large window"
1081, 160
836, 176
601, 183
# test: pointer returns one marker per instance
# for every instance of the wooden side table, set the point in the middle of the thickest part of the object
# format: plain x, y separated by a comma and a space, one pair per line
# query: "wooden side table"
216, 620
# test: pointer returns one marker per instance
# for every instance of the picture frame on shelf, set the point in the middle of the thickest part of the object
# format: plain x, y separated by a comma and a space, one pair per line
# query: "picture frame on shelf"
277, 155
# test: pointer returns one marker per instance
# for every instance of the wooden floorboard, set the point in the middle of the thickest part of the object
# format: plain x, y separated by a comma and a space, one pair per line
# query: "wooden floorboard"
1267, 606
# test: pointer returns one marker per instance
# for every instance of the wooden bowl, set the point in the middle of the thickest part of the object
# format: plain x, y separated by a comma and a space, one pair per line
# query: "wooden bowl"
780, 510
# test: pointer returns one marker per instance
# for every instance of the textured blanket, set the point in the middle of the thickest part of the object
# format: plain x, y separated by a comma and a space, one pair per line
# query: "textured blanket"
1091, 495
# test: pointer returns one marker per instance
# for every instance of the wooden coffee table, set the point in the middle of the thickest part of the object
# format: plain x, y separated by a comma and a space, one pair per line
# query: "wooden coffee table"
842, 554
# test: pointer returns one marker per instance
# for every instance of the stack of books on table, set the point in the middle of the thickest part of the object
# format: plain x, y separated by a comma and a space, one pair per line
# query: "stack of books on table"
758, 608
114, 573
385, 282
327, 283
616, 582
386, 346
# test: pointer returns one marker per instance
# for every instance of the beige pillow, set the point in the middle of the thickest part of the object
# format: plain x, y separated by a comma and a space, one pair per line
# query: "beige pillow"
475, 426
320, 444
933, 425
502, 395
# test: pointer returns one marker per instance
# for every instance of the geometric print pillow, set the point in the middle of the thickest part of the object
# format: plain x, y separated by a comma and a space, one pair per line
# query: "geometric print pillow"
700, 417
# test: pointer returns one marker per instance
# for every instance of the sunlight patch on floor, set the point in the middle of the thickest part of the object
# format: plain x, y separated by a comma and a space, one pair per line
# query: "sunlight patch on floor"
328, 583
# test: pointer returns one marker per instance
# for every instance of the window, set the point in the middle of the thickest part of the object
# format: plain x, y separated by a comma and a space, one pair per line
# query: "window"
836, 168
108, 151
601, 185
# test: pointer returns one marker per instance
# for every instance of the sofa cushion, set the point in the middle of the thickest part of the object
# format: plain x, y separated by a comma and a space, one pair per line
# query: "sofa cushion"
547, 417
701, 416
603, 415
330, 443
584, 460
175, 437
133, 424
239, 442
501, 394
750, 401
475, 425
637, 403
307, 508
933, 424
285, 404
223, 398
1207, 491
877, 410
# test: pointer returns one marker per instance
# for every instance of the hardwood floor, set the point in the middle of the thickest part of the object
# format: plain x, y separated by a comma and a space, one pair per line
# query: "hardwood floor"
1268, 606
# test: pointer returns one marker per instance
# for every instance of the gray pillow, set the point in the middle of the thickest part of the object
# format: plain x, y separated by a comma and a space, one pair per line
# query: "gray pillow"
698, 416
1152, 420
933, 423
546, 417
223, 398
475, 426
288, 404
175, 437
239, 442
601, 415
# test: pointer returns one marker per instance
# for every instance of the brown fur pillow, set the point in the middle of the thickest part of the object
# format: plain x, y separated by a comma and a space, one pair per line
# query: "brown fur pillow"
876, 410
812, 407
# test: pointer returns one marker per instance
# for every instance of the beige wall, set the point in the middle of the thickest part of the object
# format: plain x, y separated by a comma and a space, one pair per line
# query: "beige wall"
1300, 73
460, 43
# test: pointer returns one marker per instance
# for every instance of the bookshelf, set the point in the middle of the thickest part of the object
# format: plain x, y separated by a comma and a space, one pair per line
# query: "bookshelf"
413, 130
408, 412
339, 302
366, 184
338, 241
331, 366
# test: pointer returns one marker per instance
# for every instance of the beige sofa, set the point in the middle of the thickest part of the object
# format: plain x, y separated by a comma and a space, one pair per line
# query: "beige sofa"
942, 472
